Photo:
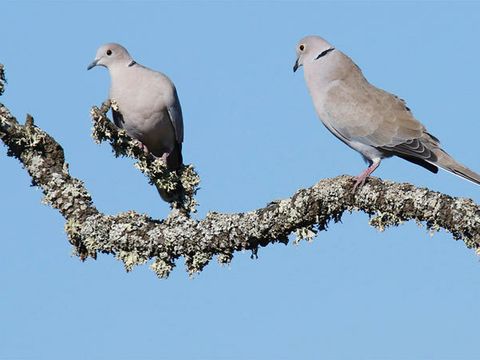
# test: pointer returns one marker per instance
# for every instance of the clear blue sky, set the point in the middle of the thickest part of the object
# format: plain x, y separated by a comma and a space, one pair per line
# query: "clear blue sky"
251, 131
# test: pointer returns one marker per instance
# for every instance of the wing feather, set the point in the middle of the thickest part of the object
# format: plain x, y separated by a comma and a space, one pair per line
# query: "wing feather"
117, 118
175, 112
374, 117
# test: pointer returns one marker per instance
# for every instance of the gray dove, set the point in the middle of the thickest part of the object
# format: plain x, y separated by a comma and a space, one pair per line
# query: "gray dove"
370, 120
147, 105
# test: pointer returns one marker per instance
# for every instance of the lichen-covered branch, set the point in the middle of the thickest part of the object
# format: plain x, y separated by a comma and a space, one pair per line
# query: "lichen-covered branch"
136, 239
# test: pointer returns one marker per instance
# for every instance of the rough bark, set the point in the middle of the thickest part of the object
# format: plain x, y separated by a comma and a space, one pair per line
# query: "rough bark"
136, 239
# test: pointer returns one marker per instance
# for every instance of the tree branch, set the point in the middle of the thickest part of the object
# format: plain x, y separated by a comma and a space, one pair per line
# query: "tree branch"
136, 239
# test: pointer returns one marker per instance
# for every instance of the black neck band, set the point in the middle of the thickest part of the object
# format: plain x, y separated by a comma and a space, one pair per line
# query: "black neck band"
323, 53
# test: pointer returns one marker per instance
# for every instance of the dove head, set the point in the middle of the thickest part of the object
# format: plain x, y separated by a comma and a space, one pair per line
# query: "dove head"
110, 55
311, 49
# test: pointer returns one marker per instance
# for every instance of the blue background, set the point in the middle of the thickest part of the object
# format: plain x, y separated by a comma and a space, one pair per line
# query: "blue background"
252, 133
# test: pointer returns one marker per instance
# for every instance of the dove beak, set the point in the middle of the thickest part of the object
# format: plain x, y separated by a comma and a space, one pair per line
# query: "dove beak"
296, 66
93, 64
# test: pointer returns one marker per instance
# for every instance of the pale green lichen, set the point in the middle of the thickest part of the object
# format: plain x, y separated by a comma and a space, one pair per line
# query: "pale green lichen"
72, 227
130, 259
162, 267
224, 258
82, 246
36, 162
196, 262
382, 220
307, 233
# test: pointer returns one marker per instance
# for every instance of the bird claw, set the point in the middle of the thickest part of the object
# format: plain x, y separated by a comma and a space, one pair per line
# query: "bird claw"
164, 157
362, 178
142, 146
360, 181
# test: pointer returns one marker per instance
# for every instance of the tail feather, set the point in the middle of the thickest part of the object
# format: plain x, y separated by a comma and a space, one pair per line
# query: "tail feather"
423, 163
175, 159
174, 162
446, 162
169, 196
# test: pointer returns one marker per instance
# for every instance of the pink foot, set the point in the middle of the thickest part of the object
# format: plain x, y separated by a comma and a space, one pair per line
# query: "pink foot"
164, 157
364, 175
142, 146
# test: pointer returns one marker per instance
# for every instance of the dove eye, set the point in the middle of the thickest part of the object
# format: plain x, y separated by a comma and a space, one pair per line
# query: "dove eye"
109, 52
302, 47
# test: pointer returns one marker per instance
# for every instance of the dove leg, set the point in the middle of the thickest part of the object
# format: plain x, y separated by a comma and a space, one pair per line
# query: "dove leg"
142, 146
360, 179
165, 156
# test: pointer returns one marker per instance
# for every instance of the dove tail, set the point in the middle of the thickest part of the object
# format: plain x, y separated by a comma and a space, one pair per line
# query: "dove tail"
446, 162
169, 196
175, 159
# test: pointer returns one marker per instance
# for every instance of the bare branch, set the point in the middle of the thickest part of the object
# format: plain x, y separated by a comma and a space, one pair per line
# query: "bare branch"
136, 239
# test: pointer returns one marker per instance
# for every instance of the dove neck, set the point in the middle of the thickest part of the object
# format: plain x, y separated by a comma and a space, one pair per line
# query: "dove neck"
334, 66
120, 68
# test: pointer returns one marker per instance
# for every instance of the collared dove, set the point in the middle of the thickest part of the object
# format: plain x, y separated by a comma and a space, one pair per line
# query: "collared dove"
371, 121
147, 101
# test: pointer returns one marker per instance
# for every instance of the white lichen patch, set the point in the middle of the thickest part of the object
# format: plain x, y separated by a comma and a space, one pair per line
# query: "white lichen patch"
307, 233
197, 262
162, 268
382, 220
36, 163
224, 259
130, 259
